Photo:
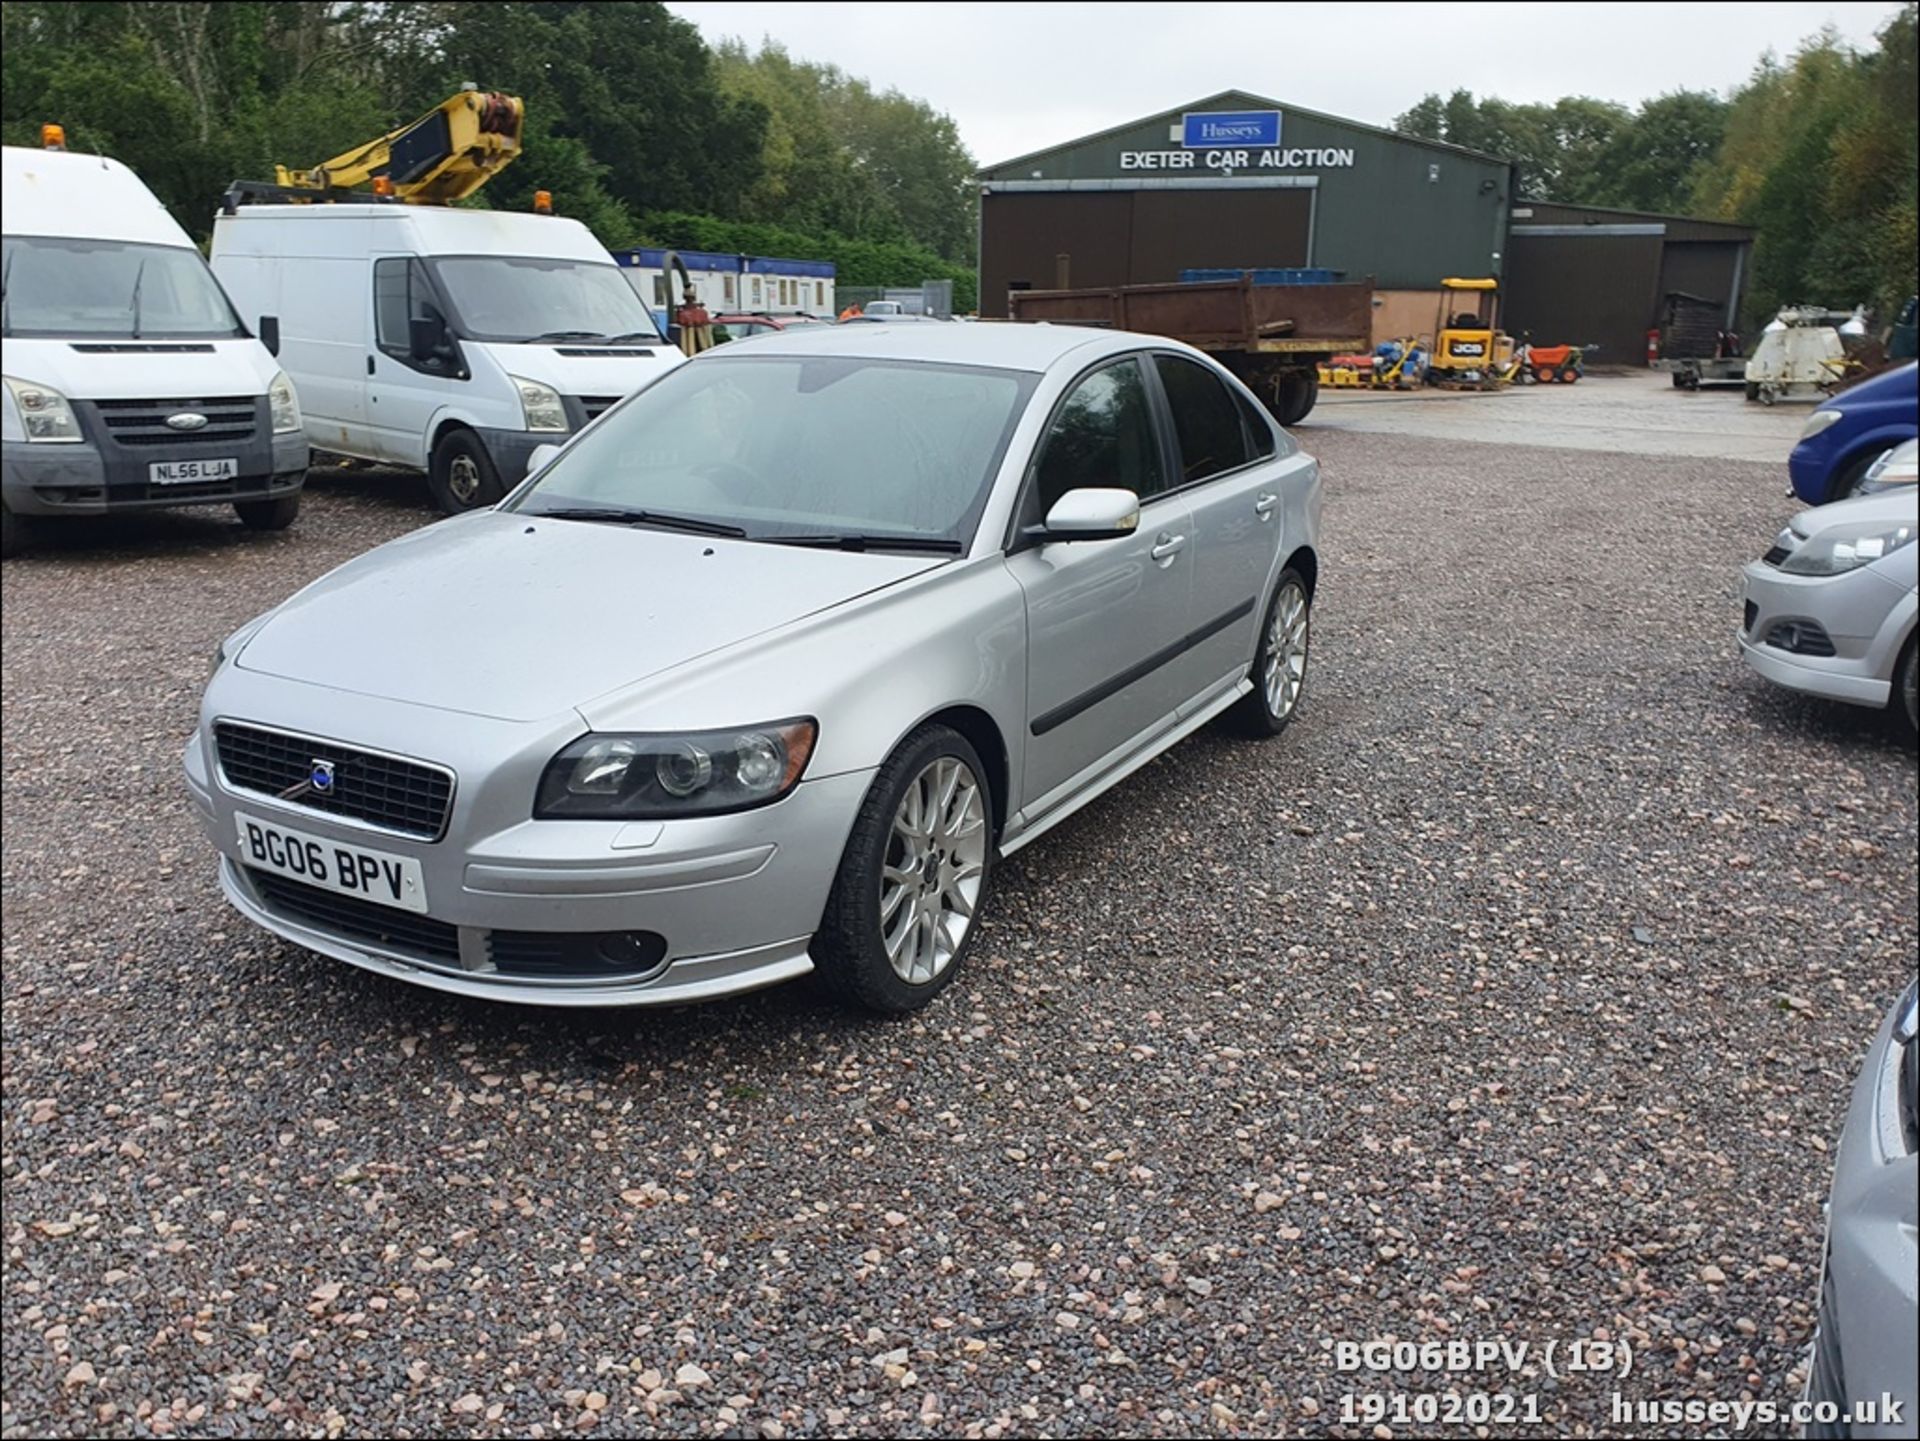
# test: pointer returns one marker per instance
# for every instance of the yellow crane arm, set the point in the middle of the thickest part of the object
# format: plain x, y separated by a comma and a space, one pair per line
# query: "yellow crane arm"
444, 156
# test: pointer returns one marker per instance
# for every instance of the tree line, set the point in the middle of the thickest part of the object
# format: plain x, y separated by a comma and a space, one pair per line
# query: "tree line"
1819, 153
635, 124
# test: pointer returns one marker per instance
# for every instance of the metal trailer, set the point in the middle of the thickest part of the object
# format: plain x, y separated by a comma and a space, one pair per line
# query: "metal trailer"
1274, 337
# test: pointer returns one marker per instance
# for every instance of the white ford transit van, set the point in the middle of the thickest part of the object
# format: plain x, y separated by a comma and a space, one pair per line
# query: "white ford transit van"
441, 339
131, 383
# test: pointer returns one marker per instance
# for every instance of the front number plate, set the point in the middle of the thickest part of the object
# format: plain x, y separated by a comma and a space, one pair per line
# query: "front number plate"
337, 866
192, 472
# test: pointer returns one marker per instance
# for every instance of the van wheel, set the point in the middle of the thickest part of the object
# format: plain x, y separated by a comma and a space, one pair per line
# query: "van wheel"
462, 476
275, 514
15, 531
905, 904
1294, 396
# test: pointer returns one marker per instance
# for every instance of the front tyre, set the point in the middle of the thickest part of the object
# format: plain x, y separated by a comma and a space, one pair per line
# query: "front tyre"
461, 475
275, 514
913, 877
1903, 706
1280, 661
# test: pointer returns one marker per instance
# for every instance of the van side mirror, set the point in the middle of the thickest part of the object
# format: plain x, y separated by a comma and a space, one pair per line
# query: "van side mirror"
1093, 513
541, 458
270, 333
426, 337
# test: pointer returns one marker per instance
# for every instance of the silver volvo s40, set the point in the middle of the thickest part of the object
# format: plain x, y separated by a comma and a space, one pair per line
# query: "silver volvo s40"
764, 670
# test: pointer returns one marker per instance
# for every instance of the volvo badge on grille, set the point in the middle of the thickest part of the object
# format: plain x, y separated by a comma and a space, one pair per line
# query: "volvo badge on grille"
187, 420
321, 776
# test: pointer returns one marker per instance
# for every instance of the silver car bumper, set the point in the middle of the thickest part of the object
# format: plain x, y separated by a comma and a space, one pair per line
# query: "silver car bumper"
1869, 1334
1862, 616
736, 897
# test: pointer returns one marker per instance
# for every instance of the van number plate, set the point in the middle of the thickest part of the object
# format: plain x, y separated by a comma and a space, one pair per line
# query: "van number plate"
190, 472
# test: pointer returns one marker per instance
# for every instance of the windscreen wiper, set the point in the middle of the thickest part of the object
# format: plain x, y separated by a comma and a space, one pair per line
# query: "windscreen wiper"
633, 335
867, 540
139, 278
616, 515
546, 335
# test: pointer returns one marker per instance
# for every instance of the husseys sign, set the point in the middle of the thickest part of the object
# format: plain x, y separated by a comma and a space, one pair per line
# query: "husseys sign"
1230, 140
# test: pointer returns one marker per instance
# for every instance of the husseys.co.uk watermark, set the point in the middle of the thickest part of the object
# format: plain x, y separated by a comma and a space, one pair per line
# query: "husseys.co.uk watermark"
1559, 1359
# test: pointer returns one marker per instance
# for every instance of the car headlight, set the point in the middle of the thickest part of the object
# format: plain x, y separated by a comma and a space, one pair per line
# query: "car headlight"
45, 414
1820, 420
1841, 548
660, 777
541, 405
284, 404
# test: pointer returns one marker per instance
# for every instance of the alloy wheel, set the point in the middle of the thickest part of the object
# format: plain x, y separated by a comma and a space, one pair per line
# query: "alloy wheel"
935, 863
1287, 639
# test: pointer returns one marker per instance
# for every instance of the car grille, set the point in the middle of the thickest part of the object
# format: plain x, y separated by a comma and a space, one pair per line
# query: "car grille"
231, 419
596, 405
410, 797
356, 919
1753, 614
1776, 554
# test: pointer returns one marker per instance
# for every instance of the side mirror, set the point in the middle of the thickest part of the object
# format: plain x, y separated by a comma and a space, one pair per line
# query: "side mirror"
541, 458
426, 337
1093, 513
270, 333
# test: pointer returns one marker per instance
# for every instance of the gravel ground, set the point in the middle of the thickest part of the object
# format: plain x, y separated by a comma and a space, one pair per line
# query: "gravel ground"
1514, 994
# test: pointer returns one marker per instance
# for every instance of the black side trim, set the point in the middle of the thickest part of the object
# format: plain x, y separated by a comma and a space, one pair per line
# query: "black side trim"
1114, 684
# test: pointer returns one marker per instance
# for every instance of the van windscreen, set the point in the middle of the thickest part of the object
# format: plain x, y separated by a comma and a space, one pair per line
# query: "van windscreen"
519, 298
64, 287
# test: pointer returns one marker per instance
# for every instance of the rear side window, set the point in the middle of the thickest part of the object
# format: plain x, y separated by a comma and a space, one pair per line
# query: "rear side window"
1205, 419
1102, 436
1259, 428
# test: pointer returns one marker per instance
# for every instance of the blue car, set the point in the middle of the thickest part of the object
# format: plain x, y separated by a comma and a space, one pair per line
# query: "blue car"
1853, 430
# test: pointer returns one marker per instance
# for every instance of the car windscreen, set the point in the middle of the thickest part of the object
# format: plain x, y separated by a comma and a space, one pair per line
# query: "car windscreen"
517, 298
787, 446
59, 285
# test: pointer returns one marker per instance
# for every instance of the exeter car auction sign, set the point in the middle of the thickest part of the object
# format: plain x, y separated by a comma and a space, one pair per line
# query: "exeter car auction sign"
1230, 140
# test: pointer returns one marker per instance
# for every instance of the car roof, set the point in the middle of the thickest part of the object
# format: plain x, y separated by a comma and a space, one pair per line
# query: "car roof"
1005, 345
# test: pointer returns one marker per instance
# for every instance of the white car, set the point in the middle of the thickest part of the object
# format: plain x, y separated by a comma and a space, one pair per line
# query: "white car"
1830, 608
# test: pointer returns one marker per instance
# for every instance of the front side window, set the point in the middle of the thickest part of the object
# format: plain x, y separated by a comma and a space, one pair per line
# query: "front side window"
520, 298
1102, 436
1206, 422
784, 447
401, 294
59, 286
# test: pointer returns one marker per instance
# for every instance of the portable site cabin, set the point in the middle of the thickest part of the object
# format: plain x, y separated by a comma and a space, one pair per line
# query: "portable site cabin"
734, 282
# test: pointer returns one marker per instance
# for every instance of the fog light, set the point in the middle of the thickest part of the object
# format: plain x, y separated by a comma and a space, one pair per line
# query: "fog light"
632, 950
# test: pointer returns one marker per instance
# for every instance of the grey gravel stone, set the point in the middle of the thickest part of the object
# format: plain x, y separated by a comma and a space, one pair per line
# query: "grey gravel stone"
1367, 1039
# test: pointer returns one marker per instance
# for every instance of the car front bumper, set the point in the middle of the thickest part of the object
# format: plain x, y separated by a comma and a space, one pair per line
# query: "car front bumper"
1864, 615
736, 898
1870, 1297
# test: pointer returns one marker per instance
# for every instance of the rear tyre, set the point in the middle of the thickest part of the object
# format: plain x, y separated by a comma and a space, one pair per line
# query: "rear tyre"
1753, 390
913, 878
275, 514
461, 475
16, 531
1903, 706
1294, 396
1568, 374
1279, 661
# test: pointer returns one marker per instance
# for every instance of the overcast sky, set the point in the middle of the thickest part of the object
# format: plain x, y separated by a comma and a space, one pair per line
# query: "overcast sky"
1022, 77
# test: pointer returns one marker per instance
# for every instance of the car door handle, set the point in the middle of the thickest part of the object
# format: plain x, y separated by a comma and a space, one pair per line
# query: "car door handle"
1167, 547
1264, 505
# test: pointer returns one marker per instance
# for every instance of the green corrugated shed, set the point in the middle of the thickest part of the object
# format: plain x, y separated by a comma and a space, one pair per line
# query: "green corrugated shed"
1124, 205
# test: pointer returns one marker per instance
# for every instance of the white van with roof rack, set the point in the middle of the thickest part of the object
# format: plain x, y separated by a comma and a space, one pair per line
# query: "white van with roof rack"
438, 338
131, 382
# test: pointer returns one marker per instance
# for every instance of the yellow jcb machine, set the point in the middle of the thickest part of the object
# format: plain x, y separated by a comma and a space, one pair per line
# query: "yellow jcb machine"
444, 156
1468, 349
